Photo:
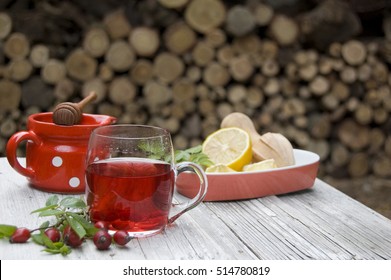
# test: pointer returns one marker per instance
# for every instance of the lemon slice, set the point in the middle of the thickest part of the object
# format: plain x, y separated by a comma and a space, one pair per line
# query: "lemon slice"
229, 146
219, 168
261, 165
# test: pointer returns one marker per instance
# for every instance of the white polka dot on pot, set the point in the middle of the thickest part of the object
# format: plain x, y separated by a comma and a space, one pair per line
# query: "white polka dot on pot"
57, 161
74, 182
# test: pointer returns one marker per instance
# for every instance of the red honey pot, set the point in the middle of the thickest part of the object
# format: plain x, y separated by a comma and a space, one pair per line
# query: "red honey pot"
55, 154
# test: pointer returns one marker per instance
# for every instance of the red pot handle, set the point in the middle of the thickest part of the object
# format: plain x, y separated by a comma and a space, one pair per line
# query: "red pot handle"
11, 149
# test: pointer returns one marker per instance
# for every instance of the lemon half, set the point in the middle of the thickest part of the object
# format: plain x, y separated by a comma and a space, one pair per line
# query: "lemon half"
261, 165
219, 168
229, 146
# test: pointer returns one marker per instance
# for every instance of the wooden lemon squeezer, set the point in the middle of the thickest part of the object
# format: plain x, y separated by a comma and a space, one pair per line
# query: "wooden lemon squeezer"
68, 113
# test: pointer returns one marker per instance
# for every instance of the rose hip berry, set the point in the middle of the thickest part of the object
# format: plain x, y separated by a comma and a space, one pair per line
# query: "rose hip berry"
21, 235
71, 238
102, 239
101, 225
122, 237
53, 234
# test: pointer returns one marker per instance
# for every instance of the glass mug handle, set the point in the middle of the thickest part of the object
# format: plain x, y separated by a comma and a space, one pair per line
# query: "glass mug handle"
195, 168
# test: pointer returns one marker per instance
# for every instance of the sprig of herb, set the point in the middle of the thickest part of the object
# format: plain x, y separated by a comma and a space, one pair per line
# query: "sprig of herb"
195, 155
153, 150
70, 211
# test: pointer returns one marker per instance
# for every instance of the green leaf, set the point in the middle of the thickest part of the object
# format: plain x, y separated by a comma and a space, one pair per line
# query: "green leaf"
65, 250
73, 202
195, 155
37, 238
44, 225
7, 230
42, 239
91, 231
52, 251
44, 209
58, 244
51, 212
52, 200
89, 227
201, 159
76, 226
59, 248
154, 150
181, 156
195, 150
47, 242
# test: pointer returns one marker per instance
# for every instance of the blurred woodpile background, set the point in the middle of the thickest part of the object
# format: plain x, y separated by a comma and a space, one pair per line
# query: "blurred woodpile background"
316, 71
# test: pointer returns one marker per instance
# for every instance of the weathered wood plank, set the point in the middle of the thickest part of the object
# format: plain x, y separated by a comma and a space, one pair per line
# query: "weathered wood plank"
319, 223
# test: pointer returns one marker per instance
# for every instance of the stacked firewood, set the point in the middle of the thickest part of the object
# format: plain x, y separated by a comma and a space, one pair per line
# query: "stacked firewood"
184, 65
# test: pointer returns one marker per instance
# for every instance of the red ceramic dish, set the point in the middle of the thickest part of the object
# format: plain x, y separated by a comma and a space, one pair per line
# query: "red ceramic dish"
246, 185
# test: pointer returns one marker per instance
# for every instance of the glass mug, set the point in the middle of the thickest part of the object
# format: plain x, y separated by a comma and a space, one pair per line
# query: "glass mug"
130, 176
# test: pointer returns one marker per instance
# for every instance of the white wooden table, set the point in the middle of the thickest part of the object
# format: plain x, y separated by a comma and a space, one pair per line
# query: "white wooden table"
319, 223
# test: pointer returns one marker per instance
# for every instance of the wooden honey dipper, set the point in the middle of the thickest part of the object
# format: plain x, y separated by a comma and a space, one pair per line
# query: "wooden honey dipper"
68, 113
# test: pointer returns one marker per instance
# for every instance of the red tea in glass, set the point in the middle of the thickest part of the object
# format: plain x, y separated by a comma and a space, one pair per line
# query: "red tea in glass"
130, 194
130, 178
